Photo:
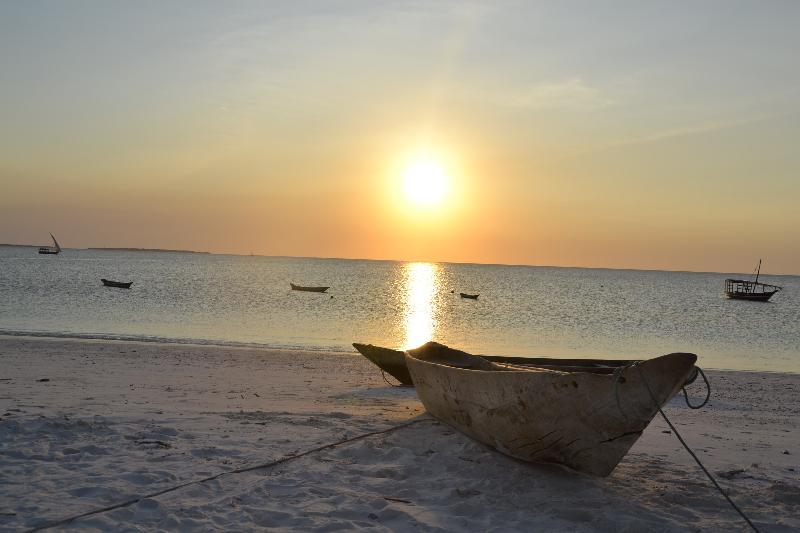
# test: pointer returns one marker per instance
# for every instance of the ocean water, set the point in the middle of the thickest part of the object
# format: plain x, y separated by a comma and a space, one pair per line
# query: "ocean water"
522, 310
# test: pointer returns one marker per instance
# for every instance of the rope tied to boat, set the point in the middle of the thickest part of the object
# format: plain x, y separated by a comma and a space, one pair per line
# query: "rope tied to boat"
686, 446
617, 378
691, 380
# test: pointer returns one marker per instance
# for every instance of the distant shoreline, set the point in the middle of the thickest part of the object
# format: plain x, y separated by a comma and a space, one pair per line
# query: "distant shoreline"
329, 258
111, 249
148, 250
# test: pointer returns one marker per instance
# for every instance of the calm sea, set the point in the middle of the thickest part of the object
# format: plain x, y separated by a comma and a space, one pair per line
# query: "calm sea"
522, 310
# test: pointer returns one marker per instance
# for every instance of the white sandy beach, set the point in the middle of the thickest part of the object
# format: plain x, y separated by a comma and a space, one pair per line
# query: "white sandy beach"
119, 420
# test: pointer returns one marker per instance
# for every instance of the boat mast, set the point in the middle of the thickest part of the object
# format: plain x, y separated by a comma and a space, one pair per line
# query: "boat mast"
759, 270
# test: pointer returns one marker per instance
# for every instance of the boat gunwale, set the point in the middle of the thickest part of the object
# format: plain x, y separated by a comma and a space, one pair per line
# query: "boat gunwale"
497, 368
380, 356
747, 282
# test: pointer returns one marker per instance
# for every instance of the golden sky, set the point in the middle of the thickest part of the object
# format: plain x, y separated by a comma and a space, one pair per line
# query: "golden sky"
633, 136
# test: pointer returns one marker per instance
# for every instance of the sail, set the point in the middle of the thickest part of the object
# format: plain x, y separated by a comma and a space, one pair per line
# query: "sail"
55, 242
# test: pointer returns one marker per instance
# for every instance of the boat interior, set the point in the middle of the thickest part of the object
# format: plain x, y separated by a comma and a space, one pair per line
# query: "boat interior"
440, 354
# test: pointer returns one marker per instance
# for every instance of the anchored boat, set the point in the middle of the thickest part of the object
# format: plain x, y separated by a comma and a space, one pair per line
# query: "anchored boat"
51, 250
308, 289
469, 296
117, 284
740, 289
584, 420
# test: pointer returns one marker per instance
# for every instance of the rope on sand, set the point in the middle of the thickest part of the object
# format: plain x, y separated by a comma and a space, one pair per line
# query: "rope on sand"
282, 460
686, 446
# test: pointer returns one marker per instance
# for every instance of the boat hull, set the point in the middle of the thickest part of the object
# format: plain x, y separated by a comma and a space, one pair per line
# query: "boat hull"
308, 289
586, 421
753, 297
469, 296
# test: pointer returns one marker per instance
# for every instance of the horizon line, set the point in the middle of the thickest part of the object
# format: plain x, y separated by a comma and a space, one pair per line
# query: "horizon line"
170, 250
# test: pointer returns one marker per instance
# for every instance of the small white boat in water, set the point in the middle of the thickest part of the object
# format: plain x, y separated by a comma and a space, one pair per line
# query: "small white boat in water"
50, 250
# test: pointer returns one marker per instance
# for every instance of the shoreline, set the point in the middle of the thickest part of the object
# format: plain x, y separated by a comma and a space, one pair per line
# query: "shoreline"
197, 343
348, 349
118, 420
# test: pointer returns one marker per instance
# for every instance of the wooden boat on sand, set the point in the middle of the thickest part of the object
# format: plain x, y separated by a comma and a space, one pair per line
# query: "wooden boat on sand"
117, 284
393, 362
585, 420
308, 289
469, 296
741, 289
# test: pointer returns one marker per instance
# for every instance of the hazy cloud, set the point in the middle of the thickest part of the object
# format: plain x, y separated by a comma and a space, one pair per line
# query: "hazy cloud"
573, 94
696, 129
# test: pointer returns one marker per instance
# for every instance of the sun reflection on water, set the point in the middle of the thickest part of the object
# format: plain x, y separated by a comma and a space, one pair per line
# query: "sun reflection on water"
421, 283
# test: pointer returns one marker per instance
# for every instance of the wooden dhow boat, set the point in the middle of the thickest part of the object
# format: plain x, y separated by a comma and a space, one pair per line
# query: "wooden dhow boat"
117, 284
393, 362
308, 289
51, 250
584, 420
468, 296
742, 289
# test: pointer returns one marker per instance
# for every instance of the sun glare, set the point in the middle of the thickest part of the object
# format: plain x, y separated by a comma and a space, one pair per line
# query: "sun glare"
422, 280
425, 183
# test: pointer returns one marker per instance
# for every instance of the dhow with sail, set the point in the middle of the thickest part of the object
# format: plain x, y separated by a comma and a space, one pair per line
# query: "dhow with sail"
50, 250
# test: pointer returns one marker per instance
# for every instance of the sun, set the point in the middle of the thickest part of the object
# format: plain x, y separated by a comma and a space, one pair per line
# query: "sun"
425, 183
